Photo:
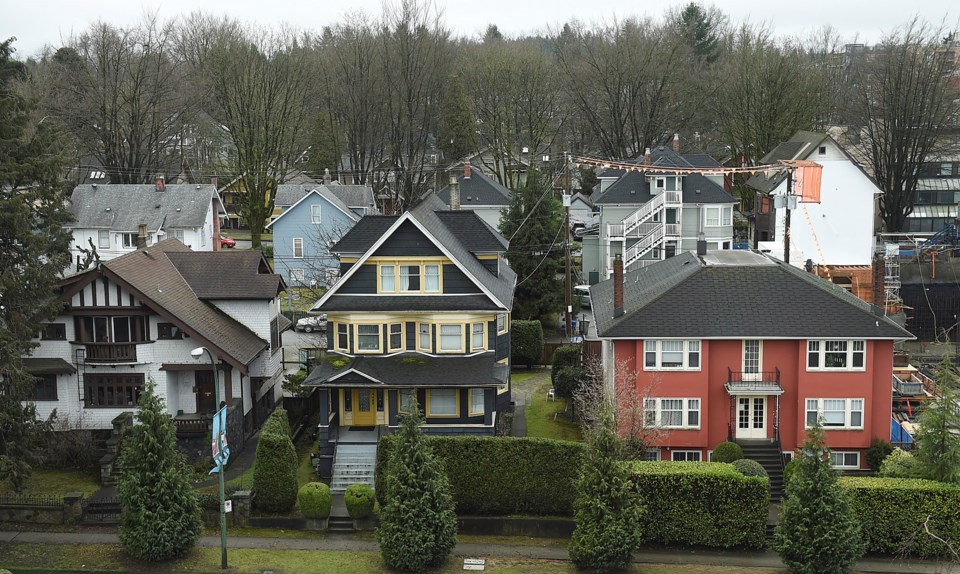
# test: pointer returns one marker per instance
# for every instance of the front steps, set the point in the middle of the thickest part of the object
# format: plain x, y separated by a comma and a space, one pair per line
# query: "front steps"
767, 453
354, 464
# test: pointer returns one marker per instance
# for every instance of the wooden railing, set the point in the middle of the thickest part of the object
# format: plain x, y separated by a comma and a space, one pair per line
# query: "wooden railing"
111, 352
193, 425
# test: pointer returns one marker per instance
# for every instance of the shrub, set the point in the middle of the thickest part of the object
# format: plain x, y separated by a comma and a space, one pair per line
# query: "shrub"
702, 503
937, 440
566, 356
892, 512
501, 475
161, 516
360, 500
727, 452
748, 467
879, 450
275, 468
526, 342
315, 500
566, 380
790, 468
900, 464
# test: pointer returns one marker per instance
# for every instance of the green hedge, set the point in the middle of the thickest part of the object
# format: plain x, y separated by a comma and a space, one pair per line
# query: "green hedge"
566, 356
892, 512
526, 342
275, 468
360, 501
702, 503
501, 476
315, 500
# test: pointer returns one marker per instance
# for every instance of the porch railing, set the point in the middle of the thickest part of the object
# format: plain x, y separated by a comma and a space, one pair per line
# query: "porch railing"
111, 352
192, 425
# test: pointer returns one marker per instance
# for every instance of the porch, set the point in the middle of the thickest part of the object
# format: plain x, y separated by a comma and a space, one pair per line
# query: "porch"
751, 414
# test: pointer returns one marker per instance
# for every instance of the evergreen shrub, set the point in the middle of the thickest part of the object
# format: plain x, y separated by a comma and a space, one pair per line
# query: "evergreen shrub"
526, 342
748, 467
360, 501
275, 467
727, 452
566, 380
566, 356
315, 500
900, 464
702, 504
879, 450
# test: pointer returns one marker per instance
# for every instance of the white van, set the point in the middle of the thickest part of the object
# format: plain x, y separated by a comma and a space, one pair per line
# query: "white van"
584, 292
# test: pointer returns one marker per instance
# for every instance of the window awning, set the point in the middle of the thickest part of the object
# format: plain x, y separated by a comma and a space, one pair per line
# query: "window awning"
753, 388
42, 366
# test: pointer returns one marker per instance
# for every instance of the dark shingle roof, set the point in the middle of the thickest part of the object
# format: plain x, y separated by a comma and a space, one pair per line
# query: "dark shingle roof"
797, 147
364, 234
47, 366
350, 195
411, 370
373, 303
227, 274
663, 156
154, 275
477, 190
475, 233
735, 294
635, 189
124, 207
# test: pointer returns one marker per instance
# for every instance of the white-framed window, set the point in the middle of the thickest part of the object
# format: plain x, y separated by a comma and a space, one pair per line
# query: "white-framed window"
836, 355
298, 247
423, 337
296, 276
451, 338
836, 413
431, 278
316, 212
395, 341
103, 239
203, 236
686, 456
671, 413
840, 459
717, 216
660, 183
407, 398
476, 402
388, 278
477, 337
368, 338
442, 403
409, 278
343, 339
501, 323
652, 454
128, 240
665, 355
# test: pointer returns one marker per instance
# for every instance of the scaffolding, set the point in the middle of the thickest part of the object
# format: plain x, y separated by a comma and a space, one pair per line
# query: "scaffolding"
891, 278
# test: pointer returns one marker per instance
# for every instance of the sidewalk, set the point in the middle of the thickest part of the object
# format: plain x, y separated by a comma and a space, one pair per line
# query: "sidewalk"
348, 543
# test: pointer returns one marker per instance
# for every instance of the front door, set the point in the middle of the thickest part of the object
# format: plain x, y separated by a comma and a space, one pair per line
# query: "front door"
206, 396
751, 417
364, 407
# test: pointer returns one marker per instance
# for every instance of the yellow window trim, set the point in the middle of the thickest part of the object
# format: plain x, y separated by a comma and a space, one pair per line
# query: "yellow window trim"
356, 339
440, 350
428, 349
470, 404
456, 393
336, 337
396, 263
483, 345
506, 322
403, 336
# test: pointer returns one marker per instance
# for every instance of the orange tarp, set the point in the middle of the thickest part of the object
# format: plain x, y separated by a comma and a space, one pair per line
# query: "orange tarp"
806, 180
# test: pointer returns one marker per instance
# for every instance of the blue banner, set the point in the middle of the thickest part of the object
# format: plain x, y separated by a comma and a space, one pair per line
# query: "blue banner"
219, 447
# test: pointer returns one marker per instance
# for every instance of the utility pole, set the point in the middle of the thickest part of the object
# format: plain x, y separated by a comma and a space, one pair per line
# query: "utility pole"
568, 296
786, 221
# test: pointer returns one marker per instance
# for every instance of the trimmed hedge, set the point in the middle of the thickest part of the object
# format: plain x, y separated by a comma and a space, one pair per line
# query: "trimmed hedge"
727, 452
501, 476
360, 500
892, 512
526, 342
567, 380
566, 356
702, 503
315, 500
275, 467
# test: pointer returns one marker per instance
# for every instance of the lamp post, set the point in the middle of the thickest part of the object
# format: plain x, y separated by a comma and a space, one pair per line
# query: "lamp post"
197, 353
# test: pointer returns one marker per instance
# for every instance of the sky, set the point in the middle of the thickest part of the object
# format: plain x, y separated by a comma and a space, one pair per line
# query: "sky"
37, 23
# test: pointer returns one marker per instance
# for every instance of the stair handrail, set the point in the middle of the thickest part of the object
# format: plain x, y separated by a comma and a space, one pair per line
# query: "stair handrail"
642, 213
646, 243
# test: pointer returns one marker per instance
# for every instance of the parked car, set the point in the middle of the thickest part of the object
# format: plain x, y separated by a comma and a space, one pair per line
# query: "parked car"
312, 323
584, 292
227, 242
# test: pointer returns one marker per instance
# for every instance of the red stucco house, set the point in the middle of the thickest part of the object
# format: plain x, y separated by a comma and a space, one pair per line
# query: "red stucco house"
735, 345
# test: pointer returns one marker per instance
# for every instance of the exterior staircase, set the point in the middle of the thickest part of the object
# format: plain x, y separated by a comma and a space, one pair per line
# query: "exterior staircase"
767, 453
648, 230
354, 463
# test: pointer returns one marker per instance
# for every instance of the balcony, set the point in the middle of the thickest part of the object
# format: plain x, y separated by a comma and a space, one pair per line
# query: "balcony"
760, 383
193, 425
111, 352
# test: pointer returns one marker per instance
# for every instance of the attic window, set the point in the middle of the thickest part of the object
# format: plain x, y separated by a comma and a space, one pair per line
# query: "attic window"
823, 150
97, 175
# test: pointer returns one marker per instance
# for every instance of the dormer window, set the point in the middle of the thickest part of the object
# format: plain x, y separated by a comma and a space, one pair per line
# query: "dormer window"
413, 278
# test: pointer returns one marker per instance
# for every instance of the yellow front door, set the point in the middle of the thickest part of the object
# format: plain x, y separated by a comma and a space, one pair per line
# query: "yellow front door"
364, 407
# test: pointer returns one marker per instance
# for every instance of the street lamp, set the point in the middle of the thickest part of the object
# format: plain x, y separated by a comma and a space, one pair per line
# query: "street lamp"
197, 353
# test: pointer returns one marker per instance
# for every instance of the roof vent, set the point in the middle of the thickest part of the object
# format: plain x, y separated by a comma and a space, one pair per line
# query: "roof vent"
94, 186
178, 210
198, 186
157, 206
698, 191
108, 209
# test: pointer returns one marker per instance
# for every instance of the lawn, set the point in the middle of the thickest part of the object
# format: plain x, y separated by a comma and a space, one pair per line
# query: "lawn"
520, 376
111, 557
57, 483
542, 416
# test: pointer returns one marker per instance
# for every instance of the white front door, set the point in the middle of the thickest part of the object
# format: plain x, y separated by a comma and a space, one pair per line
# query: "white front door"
751, 417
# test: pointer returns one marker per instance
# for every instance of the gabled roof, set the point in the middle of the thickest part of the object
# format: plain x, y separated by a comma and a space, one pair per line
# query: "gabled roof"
663, 156
349, 195
154, 277
227, 274
123, 208
634, 188
801, 145
410, 370
735, 294
326, 194
477, 190
475, 233
452, 241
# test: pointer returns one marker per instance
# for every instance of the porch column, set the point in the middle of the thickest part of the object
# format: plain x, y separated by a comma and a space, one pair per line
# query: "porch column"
227, 384
324, 407
489, 405
733, 417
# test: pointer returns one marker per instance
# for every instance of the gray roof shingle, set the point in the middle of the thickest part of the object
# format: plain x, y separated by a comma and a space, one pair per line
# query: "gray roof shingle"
364, 234
633, 188
735, 294
411, 370
123, 208
478, 189
227, 274
798, 147
350, 195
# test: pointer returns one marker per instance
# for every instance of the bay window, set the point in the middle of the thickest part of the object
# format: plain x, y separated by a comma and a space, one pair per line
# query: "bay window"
423, 337
476, 402
396, 337
477, 337
368, 338
835, 413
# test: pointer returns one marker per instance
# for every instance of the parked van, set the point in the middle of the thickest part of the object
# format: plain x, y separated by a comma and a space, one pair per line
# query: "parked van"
584, 292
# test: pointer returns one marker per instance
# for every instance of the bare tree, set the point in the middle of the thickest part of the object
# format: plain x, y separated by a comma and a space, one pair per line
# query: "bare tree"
904, 96
118, 91
260, 84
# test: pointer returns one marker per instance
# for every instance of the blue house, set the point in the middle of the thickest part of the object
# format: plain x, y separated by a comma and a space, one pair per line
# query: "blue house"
311, 219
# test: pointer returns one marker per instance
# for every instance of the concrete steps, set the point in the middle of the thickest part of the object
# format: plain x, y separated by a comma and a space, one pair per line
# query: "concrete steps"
354, 464
767, 453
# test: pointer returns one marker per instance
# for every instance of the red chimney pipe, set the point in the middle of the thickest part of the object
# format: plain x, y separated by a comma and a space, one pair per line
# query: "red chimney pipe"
676, 143
466, 170
618, 287
160, 185
646, 157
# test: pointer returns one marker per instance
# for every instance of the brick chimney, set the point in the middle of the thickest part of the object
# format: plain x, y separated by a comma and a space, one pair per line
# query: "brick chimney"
326, 176
466, 170
159, 183
213, 182
646, 157
454, 193
676, 143
142, 236
878, 286
617, 287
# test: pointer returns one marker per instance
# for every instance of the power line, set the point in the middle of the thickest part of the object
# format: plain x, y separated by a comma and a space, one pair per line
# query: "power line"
545, 255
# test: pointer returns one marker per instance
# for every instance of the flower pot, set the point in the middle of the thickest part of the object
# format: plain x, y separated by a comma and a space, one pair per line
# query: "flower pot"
316, 523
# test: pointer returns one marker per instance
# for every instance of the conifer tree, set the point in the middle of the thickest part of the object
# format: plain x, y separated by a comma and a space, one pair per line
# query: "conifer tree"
817, 532
938, 437
418, 526
161, 515
608, 507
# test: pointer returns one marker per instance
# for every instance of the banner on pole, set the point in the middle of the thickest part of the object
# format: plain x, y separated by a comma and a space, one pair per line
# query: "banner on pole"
219, 447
